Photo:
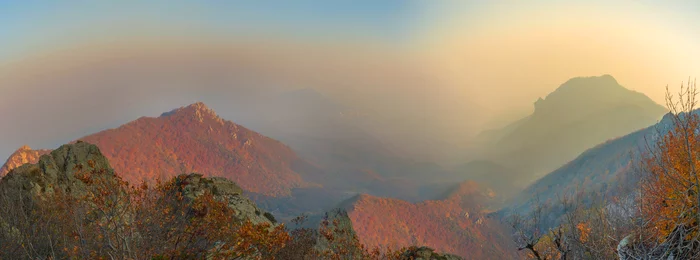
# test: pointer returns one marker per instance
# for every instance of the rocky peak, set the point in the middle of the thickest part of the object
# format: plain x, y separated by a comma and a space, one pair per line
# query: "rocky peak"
197, 111
22, 156
591, 91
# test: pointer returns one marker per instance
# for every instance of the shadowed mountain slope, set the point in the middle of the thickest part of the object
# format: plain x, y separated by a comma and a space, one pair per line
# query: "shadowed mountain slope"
580, 114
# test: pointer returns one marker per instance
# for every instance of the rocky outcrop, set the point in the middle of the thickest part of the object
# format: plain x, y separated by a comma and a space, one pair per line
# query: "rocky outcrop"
194, 185
58, 170
99, 201
22, 156
426, 253
61, 170
336, 231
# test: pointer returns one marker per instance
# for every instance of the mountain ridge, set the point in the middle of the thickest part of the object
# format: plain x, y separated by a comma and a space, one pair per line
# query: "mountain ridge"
579, 114
194, 138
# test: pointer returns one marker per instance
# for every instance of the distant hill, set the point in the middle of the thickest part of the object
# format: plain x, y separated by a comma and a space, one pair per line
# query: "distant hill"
580, 114
454, 224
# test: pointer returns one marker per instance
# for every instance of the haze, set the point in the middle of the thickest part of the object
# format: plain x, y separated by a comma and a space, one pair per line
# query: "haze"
427, 76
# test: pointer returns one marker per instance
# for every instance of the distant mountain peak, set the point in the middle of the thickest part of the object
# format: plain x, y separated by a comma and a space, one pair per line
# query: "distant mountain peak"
605, 80
589, 92
198, 111
580, 113
23, 155
605, 77
24, 148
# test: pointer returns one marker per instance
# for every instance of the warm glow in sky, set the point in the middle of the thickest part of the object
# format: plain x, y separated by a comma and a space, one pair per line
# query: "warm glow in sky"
521, 51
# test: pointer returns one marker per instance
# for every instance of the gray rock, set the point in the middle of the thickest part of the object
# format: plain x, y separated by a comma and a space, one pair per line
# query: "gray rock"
426, 253
194, 185
57, 170
338, 225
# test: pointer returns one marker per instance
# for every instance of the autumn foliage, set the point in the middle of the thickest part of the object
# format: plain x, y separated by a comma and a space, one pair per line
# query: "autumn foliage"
195, 139
450, 225
660, 219
672, 194
670, 201
112, 220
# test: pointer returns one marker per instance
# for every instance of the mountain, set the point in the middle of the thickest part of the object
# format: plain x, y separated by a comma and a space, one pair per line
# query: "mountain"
454, 224
606, 169
195, 139
23, 155
580, 114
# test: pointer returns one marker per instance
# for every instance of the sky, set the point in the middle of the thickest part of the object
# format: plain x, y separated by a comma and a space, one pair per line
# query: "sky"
471, 64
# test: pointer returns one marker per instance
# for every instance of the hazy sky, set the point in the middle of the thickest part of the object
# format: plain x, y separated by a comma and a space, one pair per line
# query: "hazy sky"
534, 44
477, 59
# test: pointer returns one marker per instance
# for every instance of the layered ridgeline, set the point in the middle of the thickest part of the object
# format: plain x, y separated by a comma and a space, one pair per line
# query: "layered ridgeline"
609, 169
72, 204
457, 223
580, 114
195, 139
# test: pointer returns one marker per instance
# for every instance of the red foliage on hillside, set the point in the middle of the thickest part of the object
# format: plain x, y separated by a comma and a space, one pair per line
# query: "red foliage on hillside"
195, 139
454, 225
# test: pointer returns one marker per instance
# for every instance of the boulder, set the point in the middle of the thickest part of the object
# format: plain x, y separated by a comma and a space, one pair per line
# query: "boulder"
194, 185
59, 169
